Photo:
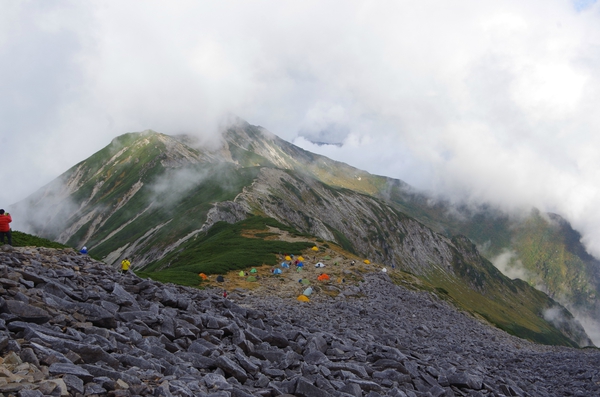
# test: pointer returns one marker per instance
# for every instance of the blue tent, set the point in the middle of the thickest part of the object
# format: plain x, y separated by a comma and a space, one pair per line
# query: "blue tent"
300, 264
277, 271
285, 264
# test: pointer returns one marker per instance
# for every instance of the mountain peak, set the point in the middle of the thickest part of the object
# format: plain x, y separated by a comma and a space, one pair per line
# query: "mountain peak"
163, 199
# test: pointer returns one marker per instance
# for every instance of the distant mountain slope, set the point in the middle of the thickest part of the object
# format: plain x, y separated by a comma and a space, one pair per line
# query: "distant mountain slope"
150, 196
562, 268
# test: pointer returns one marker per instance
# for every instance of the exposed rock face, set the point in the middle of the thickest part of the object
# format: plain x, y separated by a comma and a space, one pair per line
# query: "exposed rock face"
72, 326
374, 228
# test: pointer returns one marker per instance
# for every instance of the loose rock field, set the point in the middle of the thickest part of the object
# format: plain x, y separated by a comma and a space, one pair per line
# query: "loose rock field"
71, 326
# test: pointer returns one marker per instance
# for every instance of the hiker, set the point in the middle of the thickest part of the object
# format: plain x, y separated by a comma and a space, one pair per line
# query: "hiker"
83, 251
5, 219
125, 264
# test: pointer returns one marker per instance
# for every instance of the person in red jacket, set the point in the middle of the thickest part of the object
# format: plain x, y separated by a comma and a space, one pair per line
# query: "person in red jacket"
5, 219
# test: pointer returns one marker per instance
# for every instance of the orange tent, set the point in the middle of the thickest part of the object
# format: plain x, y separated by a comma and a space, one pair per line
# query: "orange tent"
203, 276
323, 277
303, 298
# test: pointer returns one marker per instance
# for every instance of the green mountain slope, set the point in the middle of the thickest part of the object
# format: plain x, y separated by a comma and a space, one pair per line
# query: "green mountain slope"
167, 204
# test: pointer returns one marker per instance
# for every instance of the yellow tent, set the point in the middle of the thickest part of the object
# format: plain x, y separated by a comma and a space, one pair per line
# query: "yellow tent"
242, 273
367, 261
303, 298
288, 258
301, 259
314, 248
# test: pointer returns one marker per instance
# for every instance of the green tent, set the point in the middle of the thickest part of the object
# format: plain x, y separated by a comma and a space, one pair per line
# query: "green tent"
251, 278
253, 270
305, 281
327, 257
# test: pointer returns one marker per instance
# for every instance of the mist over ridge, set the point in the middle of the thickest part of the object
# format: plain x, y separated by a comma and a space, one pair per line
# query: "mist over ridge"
476, 102
150, 195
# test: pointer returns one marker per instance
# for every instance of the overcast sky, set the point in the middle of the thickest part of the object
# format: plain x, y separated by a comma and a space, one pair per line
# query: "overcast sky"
479, 100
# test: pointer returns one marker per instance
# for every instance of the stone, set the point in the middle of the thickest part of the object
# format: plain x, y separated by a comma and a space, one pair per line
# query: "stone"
70, 369
352, 389
231, 368
465, 380
26, 312
216, 382
366, 385
29, 393
306, 389
74, 383
315, 358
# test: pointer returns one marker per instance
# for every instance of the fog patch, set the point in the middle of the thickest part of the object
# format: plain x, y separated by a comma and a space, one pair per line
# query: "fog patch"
46, 212
562, 319
175, 184
591, 326
510, 265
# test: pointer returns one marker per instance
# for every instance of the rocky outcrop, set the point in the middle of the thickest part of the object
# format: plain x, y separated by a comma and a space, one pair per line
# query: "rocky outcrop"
72, 326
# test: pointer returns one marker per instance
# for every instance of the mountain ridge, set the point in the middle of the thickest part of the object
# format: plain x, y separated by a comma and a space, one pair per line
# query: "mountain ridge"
148, 195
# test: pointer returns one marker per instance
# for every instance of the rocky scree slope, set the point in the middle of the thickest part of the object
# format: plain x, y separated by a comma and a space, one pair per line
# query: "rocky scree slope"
70, 325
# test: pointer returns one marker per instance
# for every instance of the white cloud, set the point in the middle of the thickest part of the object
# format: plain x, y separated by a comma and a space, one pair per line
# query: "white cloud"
510, 265
479, 100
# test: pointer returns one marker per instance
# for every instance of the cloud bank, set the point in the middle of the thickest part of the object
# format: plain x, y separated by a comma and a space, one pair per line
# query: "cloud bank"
475, 100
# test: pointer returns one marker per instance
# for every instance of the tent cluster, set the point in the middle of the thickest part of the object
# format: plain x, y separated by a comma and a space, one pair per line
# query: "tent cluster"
298, 262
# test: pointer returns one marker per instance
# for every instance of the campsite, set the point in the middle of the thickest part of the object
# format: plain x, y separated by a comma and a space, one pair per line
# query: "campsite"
295, 273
